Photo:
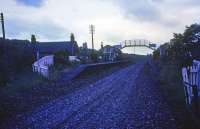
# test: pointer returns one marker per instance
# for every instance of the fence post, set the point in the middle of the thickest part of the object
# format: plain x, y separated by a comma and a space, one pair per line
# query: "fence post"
195, 104
186, 94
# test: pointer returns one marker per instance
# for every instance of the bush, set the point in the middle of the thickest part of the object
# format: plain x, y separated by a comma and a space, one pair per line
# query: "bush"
15, 55
94, 57
61, 57
156, 55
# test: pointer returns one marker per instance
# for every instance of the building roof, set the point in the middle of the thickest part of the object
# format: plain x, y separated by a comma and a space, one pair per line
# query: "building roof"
52, 47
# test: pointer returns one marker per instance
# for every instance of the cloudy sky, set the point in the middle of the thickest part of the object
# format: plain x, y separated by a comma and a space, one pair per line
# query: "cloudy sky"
114, 20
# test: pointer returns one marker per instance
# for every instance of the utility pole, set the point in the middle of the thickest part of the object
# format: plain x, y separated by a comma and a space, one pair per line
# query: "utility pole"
101, 45
92, 30
2, 23
134, 47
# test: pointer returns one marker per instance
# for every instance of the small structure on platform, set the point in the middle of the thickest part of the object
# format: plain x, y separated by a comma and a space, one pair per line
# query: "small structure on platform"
110, 53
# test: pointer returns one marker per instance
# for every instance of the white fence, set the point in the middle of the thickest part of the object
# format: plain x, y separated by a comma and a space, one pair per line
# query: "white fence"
191, 80
73, 59
42, 65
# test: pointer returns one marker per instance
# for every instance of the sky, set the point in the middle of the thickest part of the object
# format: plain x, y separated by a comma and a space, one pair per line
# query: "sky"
114, 20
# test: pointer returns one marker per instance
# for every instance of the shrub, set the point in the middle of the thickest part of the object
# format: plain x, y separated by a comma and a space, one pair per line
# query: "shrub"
15, 55
156, 55
61, 57
94, 57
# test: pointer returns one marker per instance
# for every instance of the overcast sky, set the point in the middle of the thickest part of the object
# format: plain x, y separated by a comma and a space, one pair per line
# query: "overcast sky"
114, 20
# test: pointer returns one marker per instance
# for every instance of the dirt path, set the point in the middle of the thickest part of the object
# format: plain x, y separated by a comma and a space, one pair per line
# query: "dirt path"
125, 99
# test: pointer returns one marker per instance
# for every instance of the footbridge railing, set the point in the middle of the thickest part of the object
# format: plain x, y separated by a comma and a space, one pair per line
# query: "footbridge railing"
138, 43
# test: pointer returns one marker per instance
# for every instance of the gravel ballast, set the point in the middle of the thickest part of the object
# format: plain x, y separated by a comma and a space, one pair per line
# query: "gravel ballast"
124, 99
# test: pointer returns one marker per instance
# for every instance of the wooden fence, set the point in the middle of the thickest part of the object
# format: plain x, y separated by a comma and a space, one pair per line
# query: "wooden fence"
191, 81
42, 65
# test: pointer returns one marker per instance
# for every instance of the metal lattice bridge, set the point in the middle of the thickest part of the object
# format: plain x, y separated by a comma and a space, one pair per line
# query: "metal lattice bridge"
138, 43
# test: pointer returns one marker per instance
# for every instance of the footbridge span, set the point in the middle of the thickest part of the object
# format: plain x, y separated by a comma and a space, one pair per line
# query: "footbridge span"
137, 43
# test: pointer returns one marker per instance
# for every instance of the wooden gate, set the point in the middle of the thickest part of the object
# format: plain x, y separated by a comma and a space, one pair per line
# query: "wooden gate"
191, 83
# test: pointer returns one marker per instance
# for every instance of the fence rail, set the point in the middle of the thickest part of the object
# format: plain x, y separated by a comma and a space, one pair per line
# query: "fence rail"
42, 65
191, 82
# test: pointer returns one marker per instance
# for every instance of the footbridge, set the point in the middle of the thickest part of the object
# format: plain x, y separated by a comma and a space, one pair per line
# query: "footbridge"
137, 43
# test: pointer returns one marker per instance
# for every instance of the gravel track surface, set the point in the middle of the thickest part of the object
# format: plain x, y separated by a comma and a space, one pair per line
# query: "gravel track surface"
116, 101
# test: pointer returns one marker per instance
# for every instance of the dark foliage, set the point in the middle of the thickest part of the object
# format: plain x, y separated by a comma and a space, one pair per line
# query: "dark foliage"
156, 55
192, 34
94, 56
33, 39
61, 57
169, 60
183, 48
15, 55
76, 50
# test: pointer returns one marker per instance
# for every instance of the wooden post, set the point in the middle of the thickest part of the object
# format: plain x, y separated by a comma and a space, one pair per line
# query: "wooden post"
195, 98
186, 94
3, 28
92, 29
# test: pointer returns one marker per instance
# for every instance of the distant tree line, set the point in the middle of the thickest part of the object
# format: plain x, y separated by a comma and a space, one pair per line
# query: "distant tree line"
15, 55
182, 48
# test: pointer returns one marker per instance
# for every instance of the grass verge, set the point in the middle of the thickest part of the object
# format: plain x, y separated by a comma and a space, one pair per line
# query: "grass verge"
170, 83
16, 89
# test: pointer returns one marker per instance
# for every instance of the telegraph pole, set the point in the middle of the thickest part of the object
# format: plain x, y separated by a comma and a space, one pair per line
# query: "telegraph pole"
101, 45
134, 47
92, 30
2, 23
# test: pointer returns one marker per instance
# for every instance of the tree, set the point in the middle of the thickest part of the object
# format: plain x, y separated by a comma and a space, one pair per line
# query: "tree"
18, 57
75, 48
72, 38
61, 57
33, 39
192, 34
94, 56
192, 40
177, 50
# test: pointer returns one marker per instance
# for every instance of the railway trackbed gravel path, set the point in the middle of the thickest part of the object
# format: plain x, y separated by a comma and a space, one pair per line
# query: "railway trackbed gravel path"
124, 99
